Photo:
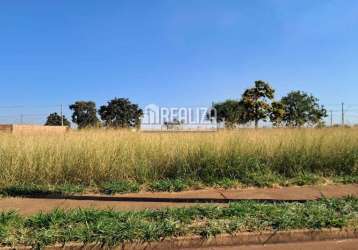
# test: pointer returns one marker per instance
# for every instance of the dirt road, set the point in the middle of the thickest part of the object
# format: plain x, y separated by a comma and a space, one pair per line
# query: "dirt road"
139, 201
323, 245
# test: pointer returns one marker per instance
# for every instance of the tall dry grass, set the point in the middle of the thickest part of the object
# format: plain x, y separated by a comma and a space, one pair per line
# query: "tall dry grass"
95, 156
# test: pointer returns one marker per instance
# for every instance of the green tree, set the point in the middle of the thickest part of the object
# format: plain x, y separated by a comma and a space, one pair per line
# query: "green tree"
277, 113
231, 112
84, 114
302, 109
55, 119
256, 102
121, 113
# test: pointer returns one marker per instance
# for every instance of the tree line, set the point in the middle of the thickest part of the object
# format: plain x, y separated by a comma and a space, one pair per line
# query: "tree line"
117, 113
256, 104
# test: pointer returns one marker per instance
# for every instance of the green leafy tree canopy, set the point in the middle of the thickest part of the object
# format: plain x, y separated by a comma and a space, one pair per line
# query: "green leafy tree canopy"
256, 101
121, 113
302, 109
230, 111
277, 113
84, 114
55, 119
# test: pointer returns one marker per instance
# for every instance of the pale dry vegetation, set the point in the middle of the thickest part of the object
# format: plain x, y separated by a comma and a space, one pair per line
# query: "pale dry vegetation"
251, 157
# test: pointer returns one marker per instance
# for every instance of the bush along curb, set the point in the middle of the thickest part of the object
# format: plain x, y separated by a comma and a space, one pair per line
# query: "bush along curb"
239, 239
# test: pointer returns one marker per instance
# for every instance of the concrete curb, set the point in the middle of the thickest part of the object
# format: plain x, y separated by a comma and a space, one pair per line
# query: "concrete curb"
239, 239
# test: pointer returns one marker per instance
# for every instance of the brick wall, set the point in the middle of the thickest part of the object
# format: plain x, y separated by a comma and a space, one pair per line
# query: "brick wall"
7, 128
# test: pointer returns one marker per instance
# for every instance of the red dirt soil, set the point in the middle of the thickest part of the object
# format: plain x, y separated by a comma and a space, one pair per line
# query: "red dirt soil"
140, 201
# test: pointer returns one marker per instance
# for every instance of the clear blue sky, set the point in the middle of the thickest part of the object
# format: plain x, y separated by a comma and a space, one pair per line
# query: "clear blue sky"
175, 52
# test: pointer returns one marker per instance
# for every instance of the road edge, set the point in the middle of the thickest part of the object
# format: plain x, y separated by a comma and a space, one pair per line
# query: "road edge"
239, 239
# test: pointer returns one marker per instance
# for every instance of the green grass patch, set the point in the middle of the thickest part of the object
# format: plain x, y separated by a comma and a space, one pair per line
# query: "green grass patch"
41, 190
119, 187
225, 183
306, 179
169, 185
351, 179
109, 228
27, 190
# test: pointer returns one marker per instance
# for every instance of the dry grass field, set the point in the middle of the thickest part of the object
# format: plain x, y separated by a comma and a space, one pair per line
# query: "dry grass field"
251, 157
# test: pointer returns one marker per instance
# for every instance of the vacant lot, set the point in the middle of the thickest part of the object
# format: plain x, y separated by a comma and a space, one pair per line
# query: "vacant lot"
131, 160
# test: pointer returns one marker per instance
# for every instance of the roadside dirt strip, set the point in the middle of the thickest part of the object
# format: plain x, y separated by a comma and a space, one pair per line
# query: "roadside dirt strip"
314, 245
295, 240
34, 204
26, 206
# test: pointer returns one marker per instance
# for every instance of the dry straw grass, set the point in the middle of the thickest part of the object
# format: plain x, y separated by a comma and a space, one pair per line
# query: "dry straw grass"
96, 156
